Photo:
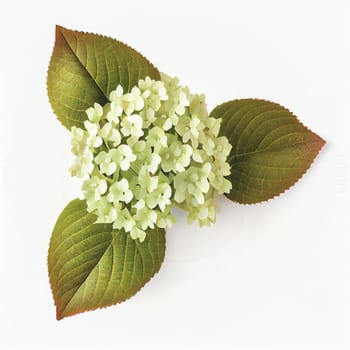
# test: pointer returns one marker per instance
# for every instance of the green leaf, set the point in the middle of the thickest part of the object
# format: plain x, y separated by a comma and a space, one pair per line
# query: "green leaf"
92, 266
271, 149
84, 68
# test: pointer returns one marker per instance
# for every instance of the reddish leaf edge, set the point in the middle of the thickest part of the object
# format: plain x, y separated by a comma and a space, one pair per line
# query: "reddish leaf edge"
59, 33
320, 145
60, 30
60, 313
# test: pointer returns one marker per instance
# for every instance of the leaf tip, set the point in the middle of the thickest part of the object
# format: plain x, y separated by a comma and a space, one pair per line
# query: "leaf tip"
322, 142
59, 314
319, 143
58, 28
59, 40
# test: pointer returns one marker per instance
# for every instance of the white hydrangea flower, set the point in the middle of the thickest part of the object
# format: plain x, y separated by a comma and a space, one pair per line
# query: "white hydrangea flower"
145, 217
149, 116
123, 156
132, 101
116, 95
189, 128
178, 96
145, 184
124, 220
204, 213
159, 197
198, 107
152, 162
166, 218
176, 157
115, 108
222, 149
154, 92
192, 184
119, 103
95, 113
93, 189
93, 140
156, 138
83, 166
110, 134
106, 211
119, 192
147, 150
106, 163
78, 140
132, 125
137, 233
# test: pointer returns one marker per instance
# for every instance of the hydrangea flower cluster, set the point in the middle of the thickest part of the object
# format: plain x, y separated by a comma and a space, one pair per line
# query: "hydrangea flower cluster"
148, 150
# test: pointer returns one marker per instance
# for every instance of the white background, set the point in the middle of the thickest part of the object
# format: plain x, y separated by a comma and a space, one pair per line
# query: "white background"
269, 276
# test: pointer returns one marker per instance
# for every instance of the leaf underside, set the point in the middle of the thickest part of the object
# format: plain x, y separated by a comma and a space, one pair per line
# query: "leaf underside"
92, 266
84, 69
271, 149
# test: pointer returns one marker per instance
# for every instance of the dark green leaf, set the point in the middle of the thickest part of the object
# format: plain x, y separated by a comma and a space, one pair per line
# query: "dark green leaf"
91, 266
85, 68
271, 149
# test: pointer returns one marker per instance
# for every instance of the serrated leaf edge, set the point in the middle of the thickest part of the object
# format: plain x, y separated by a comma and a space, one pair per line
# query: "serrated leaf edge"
322, 144
59, 313
59, 28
